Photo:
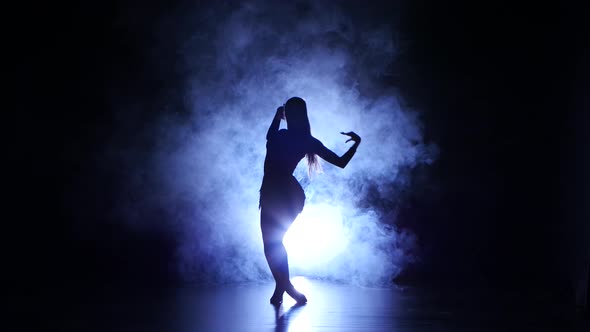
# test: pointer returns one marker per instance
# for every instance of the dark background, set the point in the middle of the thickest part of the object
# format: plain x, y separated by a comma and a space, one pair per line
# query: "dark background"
503, 87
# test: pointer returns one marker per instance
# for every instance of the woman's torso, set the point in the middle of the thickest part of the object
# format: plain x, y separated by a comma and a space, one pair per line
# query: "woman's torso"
284, 150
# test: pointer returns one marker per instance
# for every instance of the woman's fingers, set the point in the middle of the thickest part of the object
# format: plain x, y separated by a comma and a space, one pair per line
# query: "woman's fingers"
353, 136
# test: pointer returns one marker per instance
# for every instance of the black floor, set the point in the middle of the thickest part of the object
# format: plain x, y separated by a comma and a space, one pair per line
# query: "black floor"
331, 307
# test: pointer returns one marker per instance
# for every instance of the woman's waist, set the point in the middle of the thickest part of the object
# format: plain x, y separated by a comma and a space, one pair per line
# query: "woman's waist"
278, 176
279, 180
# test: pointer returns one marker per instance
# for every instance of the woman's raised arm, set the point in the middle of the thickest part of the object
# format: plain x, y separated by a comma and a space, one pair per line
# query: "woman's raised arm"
329, 156
276, 121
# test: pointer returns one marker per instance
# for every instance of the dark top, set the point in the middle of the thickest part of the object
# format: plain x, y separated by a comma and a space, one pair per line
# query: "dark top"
284, 150
280, 191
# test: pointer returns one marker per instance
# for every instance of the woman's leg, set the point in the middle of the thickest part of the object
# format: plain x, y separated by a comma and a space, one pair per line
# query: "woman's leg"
273, 231
275, 252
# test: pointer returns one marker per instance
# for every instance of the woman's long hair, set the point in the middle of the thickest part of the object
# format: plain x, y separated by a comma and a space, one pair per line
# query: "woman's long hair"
297, 121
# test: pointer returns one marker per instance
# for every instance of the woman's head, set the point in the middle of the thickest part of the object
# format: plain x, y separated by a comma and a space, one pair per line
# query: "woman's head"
296, 116
298, 122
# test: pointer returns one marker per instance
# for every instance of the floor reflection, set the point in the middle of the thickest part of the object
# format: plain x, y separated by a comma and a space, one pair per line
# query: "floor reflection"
331, 307
292, 320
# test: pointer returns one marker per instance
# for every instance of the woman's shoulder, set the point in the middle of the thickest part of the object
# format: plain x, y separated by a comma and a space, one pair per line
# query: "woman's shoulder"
305, 139
314, 140
313, 143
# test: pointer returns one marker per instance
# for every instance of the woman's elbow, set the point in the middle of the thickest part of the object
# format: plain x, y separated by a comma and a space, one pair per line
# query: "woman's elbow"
338, 163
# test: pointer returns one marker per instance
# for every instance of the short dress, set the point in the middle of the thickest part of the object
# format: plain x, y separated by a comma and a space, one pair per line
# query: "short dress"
280, 193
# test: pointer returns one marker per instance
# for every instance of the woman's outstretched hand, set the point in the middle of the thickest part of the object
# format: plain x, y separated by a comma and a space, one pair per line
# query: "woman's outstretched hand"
353, 137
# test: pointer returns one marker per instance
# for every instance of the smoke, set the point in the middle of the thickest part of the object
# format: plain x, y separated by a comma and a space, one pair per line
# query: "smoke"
206, 167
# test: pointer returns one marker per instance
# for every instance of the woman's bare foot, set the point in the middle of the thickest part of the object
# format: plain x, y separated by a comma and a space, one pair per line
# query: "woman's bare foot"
277, 297
297, 296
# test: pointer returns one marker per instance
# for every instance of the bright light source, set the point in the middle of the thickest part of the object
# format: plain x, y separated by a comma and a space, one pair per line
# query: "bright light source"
316, 236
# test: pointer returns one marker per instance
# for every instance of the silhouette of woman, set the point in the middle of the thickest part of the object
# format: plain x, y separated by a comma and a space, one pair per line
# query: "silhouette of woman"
281, 196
